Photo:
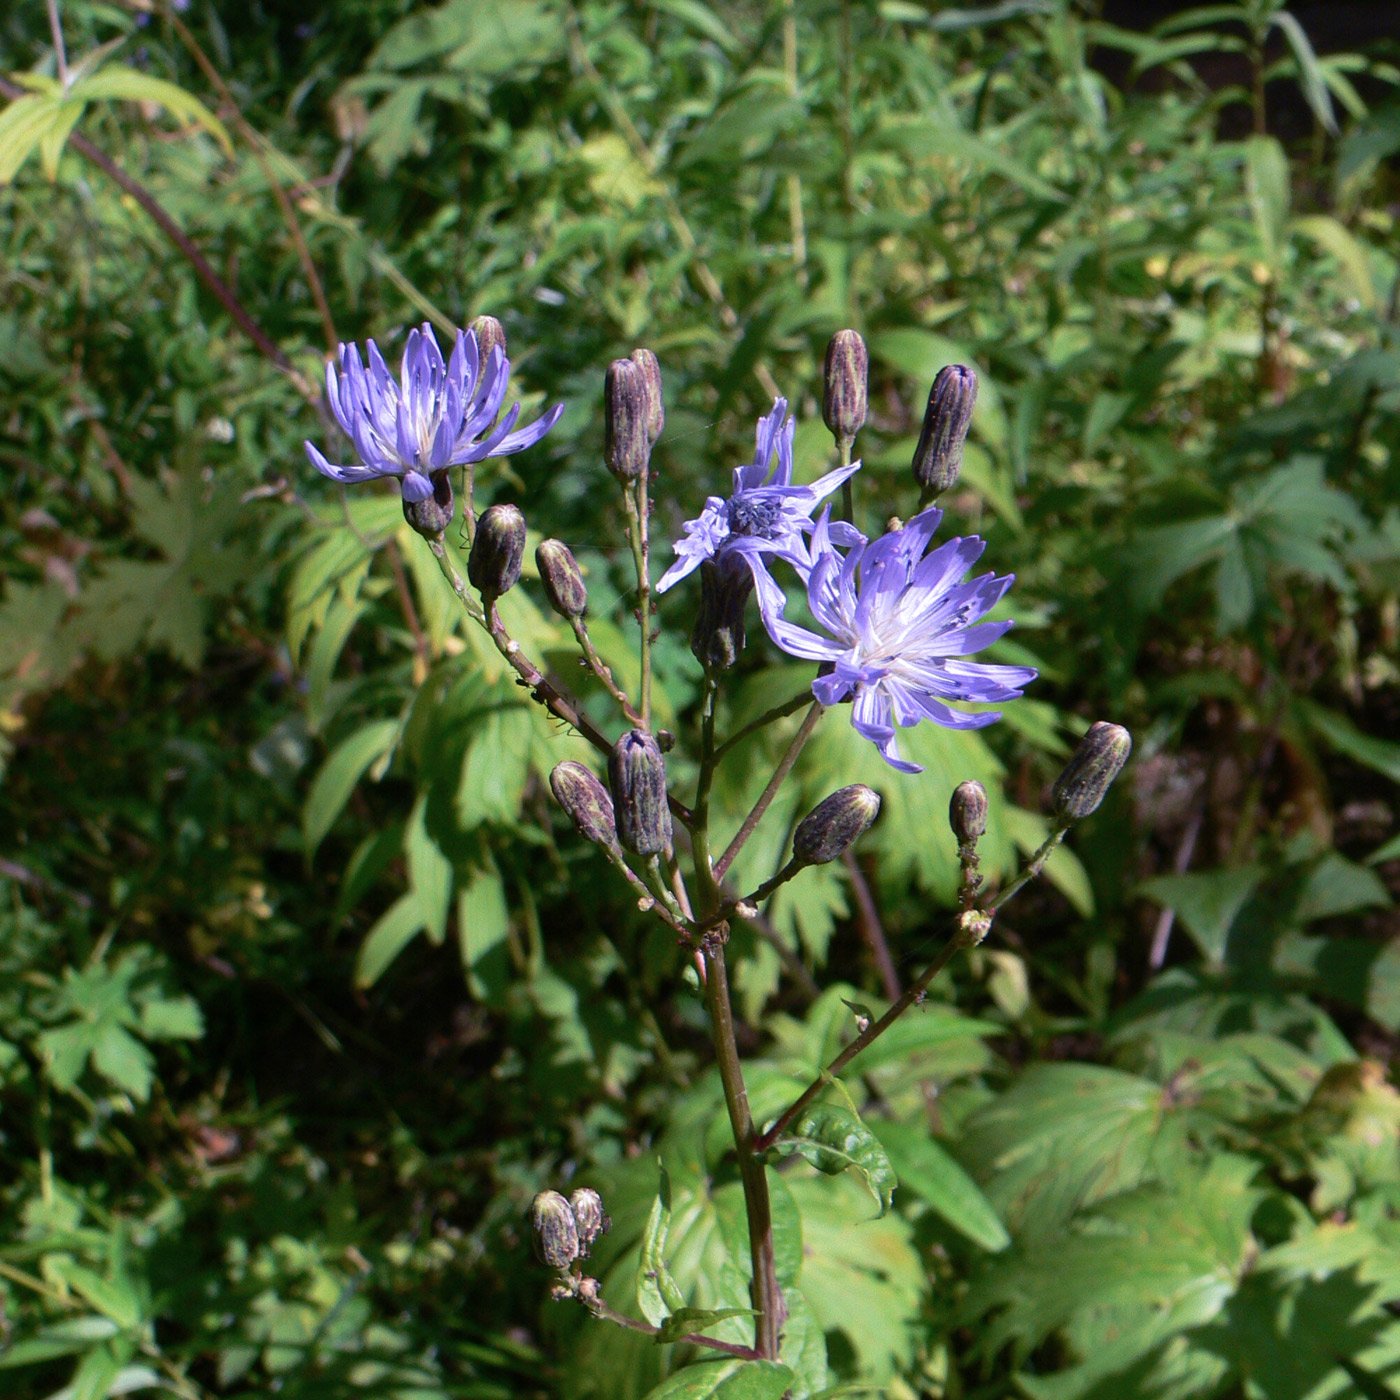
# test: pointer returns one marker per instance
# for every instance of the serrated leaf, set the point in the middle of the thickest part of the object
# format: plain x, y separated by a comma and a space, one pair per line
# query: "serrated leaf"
336, 780
926, 1169
834, 1140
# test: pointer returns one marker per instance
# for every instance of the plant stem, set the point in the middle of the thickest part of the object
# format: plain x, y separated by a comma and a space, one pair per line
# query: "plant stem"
1037, 864
601, 1310
782, 711
771, 791
767, 1297
60, 54
601, 670
644, 592
848, 492
871, 929
794, 180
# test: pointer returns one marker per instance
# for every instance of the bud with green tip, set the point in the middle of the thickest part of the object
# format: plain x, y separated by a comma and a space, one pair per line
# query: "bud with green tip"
493, 566
637, 777
835, 824
1097, 761
587, 802
589, 1216
432, 515
967, 812
938, 457
554, 1230
489, 334
562, 578
846, 395
717, 639
626, 414
650, 368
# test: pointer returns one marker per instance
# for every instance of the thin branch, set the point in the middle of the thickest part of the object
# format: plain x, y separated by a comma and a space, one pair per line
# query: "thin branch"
778, 712
871, 929
605, 1313
601, 670
60, 53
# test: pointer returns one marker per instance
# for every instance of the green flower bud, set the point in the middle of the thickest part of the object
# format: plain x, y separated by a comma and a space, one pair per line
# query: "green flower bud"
586, 800
835, 824
846, 386
626, 413
967, 812
554, 1230
650, 367
493, 566
718, 636
938, 457
489, 334
637, 777
562, 578
589, 1215
1097, 761
432, 516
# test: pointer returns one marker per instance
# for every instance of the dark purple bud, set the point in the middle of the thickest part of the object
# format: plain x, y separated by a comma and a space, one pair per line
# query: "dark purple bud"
489, 334
1097, 761
431, 516
938, 457
626, 412
554, 1230
562, 578
718, 637
650, 367
637, 777
493, 566
586, 800
835, 824
590, 1217
846, 395
967, 812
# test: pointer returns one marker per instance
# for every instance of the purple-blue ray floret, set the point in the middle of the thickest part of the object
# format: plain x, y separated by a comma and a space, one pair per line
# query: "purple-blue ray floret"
765, 516
435, 416
899, 626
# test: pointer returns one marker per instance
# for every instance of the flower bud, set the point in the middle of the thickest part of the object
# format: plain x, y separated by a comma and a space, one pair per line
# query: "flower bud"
589, 1216
938, 457
718, 635
967, 812
637, 777
1097, 761
562, 579
489, 334
835, 824
432, 515
554, 1229
493, 566
587, 802
847, 379
626, 413
650, 367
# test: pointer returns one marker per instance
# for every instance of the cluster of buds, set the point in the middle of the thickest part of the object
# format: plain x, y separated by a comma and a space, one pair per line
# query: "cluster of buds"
565, 1229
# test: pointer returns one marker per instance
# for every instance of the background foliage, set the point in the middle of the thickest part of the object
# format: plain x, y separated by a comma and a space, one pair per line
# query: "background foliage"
301, 1001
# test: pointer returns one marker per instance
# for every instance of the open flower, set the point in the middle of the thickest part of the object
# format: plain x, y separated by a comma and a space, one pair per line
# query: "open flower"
434, 417
900, 625
766, 516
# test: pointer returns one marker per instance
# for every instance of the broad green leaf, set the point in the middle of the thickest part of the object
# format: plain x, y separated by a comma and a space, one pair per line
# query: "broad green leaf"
1313, 79
23, 124
52, 142
392, 932
172, 1018
336, 781
1206, 903
483, 925
113, 1298
1355, 263
429, 874
59, 1339
701, 18
1380, 755
833, 1139
926, 1169
726, 1380
1268, 191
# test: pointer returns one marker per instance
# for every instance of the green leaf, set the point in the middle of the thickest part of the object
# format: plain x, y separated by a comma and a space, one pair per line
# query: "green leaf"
685, 1321
726, 1380
1336, 239
1206, 903
833, 1139
129, 85
1313, 79
657, 1293
703, 20
52, 142
172, 1018
918, 136
429, 874
59, 1339
338, 776
1268, 190
391, 934
23, 124
923, 1166
483, 926
1380, 755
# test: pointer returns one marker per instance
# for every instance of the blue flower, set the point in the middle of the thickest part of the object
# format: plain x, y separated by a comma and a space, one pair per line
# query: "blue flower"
765, 517
435, 416
900, 625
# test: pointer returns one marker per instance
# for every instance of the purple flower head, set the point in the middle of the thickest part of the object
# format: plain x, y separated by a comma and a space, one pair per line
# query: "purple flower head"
900, 625
766, 516
433, 417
